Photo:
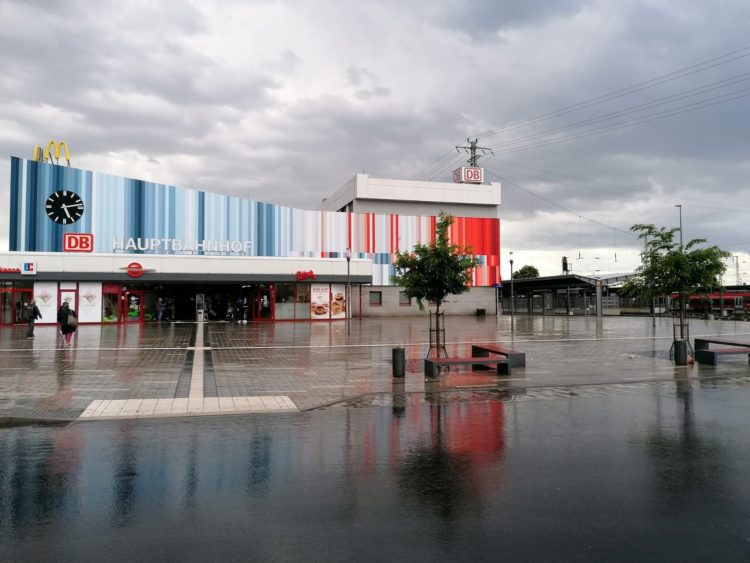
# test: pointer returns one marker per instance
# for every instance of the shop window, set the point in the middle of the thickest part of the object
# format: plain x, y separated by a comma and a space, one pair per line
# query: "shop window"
284, 301
111, 295
403, 300
376, 298
302, 300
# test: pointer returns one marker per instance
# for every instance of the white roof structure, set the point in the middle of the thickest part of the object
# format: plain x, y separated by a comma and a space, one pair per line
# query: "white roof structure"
364, 194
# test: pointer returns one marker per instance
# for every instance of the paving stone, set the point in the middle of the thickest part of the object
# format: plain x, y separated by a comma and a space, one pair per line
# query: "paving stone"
318, 364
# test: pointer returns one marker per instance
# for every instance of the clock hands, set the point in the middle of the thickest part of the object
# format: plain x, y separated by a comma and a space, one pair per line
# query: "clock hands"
64, 207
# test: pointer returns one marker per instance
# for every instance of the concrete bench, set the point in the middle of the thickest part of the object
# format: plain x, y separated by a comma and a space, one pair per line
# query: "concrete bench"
710, 356
704, 343
516, 359
431, 364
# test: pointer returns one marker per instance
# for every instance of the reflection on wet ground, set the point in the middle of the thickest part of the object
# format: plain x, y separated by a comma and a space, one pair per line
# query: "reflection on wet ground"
321, 364
656, 474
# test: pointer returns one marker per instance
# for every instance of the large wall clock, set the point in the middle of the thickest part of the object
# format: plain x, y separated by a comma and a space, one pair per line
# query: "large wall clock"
64, 207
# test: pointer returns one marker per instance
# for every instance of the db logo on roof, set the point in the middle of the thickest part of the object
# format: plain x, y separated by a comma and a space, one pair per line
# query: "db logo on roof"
78, 242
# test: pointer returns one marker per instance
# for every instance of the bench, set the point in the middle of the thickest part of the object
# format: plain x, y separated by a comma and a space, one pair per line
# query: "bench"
431, 364
516, 359
704, 354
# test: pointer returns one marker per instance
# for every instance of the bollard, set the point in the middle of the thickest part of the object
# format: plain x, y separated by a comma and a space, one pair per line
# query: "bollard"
680, 352
399, 361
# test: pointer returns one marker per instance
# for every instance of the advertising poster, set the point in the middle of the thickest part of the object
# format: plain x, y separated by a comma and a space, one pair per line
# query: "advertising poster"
89, 302
320, 295
45, 294
338, 301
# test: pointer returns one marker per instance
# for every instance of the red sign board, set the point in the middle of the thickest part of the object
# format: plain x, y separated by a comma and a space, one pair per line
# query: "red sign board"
78, 242
308, 275
10, 270
468, 175
135, 270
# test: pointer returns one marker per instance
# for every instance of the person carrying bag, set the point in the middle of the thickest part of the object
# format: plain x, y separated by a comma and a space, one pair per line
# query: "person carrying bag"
68, 322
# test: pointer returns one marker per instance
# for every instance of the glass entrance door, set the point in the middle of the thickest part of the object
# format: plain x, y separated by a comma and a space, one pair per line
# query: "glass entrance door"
132, 306
260, 302
12, 303
266, 303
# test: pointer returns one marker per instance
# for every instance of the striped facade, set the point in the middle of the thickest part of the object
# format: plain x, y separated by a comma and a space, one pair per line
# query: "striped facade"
118, 208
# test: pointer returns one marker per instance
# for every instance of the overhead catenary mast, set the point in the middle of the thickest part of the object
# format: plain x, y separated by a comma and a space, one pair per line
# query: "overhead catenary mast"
472, 151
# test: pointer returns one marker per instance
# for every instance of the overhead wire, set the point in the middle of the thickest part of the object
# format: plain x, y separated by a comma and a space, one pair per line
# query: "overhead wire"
634, 109
638, 87
687, 108
558, 205
725, 58
439, 161
705, 204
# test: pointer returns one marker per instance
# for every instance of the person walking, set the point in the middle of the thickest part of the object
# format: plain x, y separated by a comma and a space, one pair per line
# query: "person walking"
31, 314
68, 322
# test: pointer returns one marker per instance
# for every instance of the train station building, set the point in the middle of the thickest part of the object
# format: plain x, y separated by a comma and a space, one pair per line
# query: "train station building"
123, 250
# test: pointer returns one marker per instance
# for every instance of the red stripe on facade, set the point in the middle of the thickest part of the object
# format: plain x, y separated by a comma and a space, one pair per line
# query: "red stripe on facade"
349, 231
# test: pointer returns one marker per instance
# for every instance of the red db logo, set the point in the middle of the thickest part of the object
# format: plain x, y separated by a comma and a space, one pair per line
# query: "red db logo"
135, 270
78, 242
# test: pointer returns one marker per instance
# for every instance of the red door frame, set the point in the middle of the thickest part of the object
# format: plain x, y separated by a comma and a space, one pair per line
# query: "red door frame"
13, 292
255, 299
125, 307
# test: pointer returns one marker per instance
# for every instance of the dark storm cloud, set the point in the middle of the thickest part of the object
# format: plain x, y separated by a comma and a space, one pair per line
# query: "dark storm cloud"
483, 18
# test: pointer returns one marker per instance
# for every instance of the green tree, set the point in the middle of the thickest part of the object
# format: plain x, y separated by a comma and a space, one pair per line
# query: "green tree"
431, 272
526, 273
669, 268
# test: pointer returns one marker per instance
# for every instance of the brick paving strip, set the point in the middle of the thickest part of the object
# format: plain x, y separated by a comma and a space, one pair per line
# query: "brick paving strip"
199, 401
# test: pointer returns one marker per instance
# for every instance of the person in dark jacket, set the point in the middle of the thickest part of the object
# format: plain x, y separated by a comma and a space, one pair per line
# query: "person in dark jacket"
68, 322
31, 314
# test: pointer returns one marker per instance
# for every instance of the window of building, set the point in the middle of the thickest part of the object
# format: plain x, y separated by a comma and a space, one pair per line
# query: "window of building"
376, 298
403, 300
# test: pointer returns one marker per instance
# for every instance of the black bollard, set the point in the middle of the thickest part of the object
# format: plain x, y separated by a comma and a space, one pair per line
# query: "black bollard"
399, 362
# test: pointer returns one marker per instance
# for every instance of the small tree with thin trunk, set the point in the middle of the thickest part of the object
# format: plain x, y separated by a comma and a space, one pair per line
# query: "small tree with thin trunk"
669, 268
431, 272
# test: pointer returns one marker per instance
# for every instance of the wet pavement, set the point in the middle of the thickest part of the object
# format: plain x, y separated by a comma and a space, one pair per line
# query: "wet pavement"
659, 476
311, 365
599, 449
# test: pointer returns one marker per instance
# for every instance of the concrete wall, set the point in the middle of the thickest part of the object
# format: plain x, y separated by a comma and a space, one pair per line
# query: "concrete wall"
464, 304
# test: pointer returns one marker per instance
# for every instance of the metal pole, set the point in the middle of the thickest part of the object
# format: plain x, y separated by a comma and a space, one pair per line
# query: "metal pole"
511, 291
348, 287
682, 299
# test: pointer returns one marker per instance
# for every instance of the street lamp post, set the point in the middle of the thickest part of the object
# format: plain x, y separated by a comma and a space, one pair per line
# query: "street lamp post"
680, 350
511, 291
348, 285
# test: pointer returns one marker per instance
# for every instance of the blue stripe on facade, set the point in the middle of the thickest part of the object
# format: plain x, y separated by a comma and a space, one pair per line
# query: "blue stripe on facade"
15, 215
201, 235
31, 199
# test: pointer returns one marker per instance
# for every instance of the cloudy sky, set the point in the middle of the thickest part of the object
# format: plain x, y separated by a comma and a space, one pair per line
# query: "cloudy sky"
600, 113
